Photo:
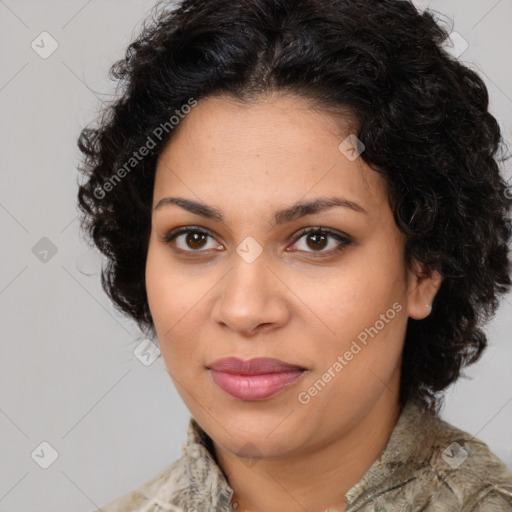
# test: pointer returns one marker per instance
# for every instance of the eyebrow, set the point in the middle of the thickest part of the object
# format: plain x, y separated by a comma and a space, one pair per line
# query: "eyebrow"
293, 212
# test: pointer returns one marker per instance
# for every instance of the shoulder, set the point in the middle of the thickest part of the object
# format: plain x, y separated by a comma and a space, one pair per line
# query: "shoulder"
144, 495
465, 472
193, 482
433, 466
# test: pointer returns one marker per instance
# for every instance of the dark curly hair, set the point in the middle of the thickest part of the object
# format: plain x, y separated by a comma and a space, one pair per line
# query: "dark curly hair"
421, 114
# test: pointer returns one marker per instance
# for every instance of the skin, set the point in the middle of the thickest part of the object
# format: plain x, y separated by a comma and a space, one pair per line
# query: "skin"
250, 161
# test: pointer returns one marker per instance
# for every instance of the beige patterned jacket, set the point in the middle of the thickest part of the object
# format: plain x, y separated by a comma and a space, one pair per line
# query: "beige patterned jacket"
427, 466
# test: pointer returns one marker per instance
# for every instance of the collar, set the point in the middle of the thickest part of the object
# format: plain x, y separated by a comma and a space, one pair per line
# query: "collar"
198, 483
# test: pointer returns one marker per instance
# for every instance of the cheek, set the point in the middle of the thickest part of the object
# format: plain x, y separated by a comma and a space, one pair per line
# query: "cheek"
180, 307
362, 308
353, 296
366, 332
354, 367
172, 299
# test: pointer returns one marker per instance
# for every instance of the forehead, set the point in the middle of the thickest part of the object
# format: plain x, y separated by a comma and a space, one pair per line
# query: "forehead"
277, 150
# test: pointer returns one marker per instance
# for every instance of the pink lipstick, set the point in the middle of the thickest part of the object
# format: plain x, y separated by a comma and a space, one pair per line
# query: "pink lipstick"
254, 379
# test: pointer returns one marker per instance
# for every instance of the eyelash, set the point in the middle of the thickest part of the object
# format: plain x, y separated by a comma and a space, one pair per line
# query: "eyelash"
344, 241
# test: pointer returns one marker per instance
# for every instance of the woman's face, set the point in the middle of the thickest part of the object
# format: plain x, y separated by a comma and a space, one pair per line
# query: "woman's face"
245, 281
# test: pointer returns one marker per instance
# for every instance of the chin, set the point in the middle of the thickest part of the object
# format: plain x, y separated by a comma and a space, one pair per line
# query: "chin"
255, 445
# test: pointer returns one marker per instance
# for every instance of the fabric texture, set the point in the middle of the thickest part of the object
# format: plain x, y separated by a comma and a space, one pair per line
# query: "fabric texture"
427, 465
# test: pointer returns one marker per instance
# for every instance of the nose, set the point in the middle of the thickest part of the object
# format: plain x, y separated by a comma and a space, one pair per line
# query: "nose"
251, 298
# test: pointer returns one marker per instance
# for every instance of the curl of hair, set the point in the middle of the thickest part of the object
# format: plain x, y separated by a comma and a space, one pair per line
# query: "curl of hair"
421, 114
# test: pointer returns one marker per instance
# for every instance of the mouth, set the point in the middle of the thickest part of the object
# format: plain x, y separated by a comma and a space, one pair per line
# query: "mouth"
254, 379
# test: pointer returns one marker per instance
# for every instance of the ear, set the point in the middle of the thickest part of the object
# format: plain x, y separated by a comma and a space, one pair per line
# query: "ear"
422, 289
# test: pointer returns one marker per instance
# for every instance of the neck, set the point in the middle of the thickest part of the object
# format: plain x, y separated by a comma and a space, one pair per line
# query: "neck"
317, 479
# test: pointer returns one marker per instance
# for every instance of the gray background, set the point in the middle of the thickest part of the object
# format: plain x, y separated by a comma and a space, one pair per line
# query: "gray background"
68, 375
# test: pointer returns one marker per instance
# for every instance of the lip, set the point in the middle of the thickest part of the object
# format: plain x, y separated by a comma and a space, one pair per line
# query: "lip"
253, 379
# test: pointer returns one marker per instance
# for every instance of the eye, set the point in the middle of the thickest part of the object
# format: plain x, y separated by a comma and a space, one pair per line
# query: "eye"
317, 239
195, 240
189, 239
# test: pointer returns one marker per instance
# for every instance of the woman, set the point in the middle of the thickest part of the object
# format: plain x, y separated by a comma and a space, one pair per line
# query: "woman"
301, 201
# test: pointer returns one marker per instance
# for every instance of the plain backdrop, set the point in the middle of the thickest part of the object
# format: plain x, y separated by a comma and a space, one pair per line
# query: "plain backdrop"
69, 377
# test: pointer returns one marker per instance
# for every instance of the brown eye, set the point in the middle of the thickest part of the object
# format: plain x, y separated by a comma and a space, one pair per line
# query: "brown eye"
317, 239
190, 240
195, 239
